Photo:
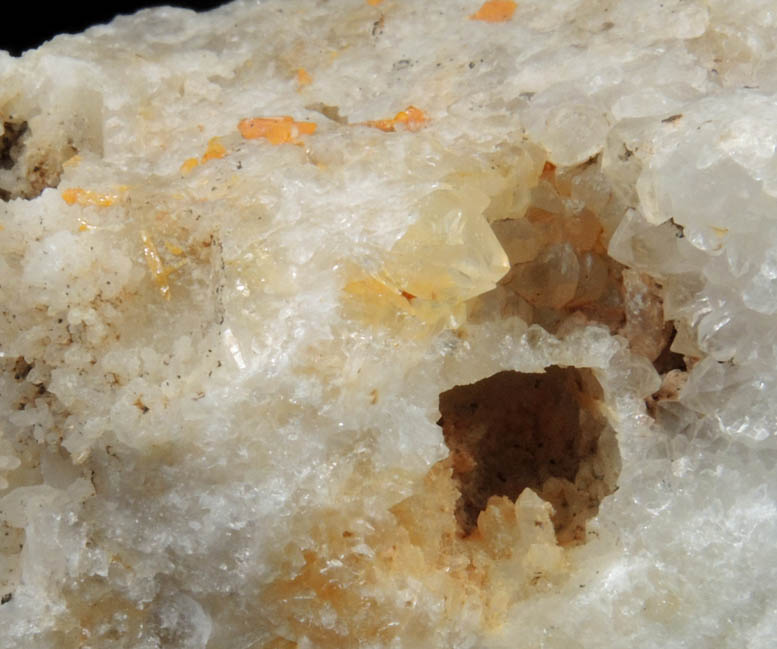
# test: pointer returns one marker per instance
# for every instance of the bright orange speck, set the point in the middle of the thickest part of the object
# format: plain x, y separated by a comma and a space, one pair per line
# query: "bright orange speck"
412, 118
215, 150
374, 3
75, 195
276, 130
495, 11
188, 165
70, 196
303, 77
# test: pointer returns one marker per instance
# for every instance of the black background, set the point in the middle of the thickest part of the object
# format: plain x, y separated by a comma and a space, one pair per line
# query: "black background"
30, 24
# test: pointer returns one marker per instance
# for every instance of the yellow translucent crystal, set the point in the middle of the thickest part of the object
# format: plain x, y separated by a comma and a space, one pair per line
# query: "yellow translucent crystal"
450, 254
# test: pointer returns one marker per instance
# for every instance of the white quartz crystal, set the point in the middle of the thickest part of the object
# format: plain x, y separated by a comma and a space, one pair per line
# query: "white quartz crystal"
483, 359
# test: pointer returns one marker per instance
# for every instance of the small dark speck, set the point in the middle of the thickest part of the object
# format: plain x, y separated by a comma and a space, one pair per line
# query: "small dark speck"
401, 65
471, 64
6, 598
239, 164
672, 118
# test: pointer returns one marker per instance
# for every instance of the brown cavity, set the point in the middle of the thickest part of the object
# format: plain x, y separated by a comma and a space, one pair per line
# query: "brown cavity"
513, 431
36, 169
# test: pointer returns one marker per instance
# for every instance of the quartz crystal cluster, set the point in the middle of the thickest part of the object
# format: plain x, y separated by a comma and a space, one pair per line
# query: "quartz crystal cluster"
388, 324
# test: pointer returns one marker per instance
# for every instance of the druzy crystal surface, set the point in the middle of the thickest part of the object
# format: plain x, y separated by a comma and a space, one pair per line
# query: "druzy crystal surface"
389, 324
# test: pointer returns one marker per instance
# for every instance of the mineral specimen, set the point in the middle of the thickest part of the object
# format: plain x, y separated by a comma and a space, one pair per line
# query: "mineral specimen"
391, 324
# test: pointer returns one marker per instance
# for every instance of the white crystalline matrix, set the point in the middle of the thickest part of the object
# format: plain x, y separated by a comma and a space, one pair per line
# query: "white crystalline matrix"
388, 324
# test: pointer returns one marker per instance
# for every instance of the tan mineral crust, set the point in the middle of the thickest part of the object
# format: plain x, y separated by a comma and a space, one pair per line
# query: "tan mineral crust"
389, 324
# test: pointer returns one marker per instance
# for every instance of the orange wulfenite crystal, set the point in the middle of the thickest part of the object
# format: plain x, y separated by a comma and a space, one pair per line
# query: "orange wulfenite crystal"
215, 150
495, 11
188, 165
413, 119
374, 3
88, 197
276, 129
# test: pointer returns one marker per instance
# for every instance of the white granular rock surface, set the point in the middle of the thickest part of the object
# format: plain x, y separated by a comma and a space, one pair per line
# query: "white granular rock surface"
392, 324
